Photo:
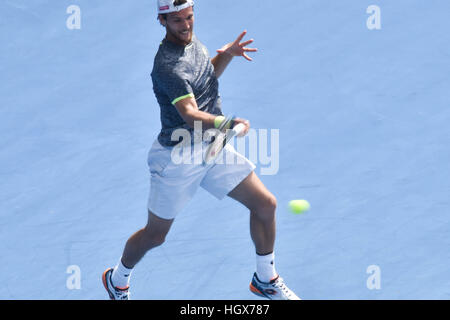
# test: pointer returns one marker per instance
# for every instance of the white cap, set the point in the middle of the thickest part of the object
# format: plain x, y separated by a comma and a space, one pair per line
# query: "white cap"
167, 6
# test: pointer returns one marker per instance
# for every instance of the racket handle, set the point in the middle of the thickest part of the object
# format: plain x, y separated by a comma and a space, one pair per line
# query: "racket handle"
238, 128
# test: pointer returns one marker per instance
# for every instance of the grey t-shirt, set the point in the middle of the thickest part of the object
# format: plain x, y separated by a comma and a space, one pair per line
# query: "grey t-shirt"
178, 72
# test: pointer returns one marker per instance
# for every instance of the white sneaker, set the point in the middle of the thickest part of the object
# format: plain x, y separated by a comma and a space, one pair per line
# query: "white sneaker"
114, 292
276, 289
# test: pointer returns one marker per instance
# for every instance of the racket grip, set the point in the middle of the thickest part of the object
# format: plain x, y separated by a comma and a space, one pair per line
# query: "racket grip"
238, 128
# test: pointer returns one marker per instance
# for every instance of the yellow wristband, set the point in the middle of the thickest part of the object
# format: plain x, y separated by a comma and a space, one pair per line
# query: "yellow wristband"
218, 121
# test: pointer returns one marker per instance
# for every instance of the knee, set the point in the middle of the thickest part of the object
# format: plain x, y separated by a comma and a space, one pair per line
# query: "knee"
271, 203
266, 207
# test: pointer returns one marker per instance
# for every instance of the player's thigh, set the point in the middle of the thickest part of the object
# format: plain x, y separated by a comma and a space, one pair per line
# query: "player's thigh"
253, 194
172, 184
224, 176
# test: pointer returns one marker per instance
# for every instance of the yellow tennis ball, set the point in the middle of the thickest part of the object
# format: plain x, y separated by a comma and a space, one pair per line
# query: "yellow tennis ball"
299, 206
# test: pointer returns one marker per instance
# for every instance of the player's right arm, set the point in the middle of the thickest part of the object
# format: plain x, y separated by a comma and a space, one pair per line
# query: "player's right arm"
188, 110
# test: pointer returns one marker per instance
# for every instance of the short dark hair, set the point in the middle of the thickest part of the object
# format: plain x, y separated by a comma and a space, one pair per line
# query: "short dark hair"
179, 2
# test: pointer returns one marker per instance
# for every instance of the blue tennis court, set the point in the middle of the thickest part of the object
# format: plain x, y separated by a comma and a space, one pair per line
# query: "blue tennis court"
361, 116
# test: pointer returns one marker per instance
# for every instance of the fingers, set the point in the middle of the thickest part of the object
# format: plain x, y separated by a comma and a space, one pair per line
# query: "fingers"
243, 121
239, 48
241, 36
247, 128
246, 43
247, 57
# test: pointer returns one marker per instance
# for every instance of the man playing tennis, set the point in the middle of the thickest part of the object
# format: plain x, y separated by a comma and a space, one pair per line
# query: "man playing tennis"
186, 87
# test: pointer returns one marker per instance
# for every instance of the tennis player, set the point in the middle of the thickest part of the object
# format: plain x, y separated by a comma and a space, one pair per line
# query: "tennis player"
186, 87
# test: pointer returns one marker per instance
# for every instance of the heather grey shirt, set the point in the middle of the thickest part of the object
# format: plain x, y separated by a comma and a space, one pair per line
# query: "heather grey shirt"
181, 71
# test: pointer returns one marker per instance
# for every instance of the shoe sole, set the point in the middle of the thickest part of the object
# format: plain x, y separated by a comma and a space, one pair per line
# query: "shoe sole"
105, 284
254, 290
258, 292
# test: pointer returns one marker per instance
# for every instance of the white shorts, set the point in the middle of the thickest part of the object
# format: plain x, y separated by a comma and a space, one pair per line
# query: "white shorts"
172, 185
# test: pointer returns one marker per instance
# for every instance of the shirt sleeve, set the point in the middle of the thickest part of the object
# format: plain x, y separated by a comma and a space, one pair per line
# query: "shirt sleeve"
175, 85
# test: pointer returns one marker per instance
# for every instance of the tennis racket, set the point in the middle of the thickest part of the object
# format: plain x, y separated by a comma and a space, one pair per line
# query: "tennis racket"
221, 140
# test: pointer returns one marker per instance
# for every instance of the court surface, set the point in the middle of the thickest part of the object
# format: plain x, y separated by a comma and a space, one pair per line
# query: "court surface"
363, 121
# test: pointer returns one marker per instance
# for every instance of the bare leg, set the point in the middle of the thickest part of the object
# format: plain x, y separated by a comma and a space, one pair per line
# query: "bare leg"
252, 193
153, 235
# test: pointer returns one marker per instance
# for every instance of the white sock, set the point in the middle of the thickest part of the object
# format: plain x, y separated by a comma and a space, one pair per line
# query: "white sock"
265, 267
121, 276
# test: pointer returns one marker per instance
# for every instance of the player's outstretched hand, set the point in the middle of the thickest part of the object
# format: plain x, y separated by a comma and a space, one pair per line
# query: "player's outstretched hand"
238, 48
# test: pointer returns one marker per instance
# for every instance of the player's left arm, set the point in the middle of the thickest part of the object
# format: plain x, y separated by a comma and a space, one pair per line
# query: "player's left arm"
229, 51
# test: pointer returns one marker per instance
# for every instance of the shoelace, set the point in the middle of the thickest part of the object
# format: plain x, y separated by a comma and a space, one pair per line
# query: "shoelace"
279, 283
